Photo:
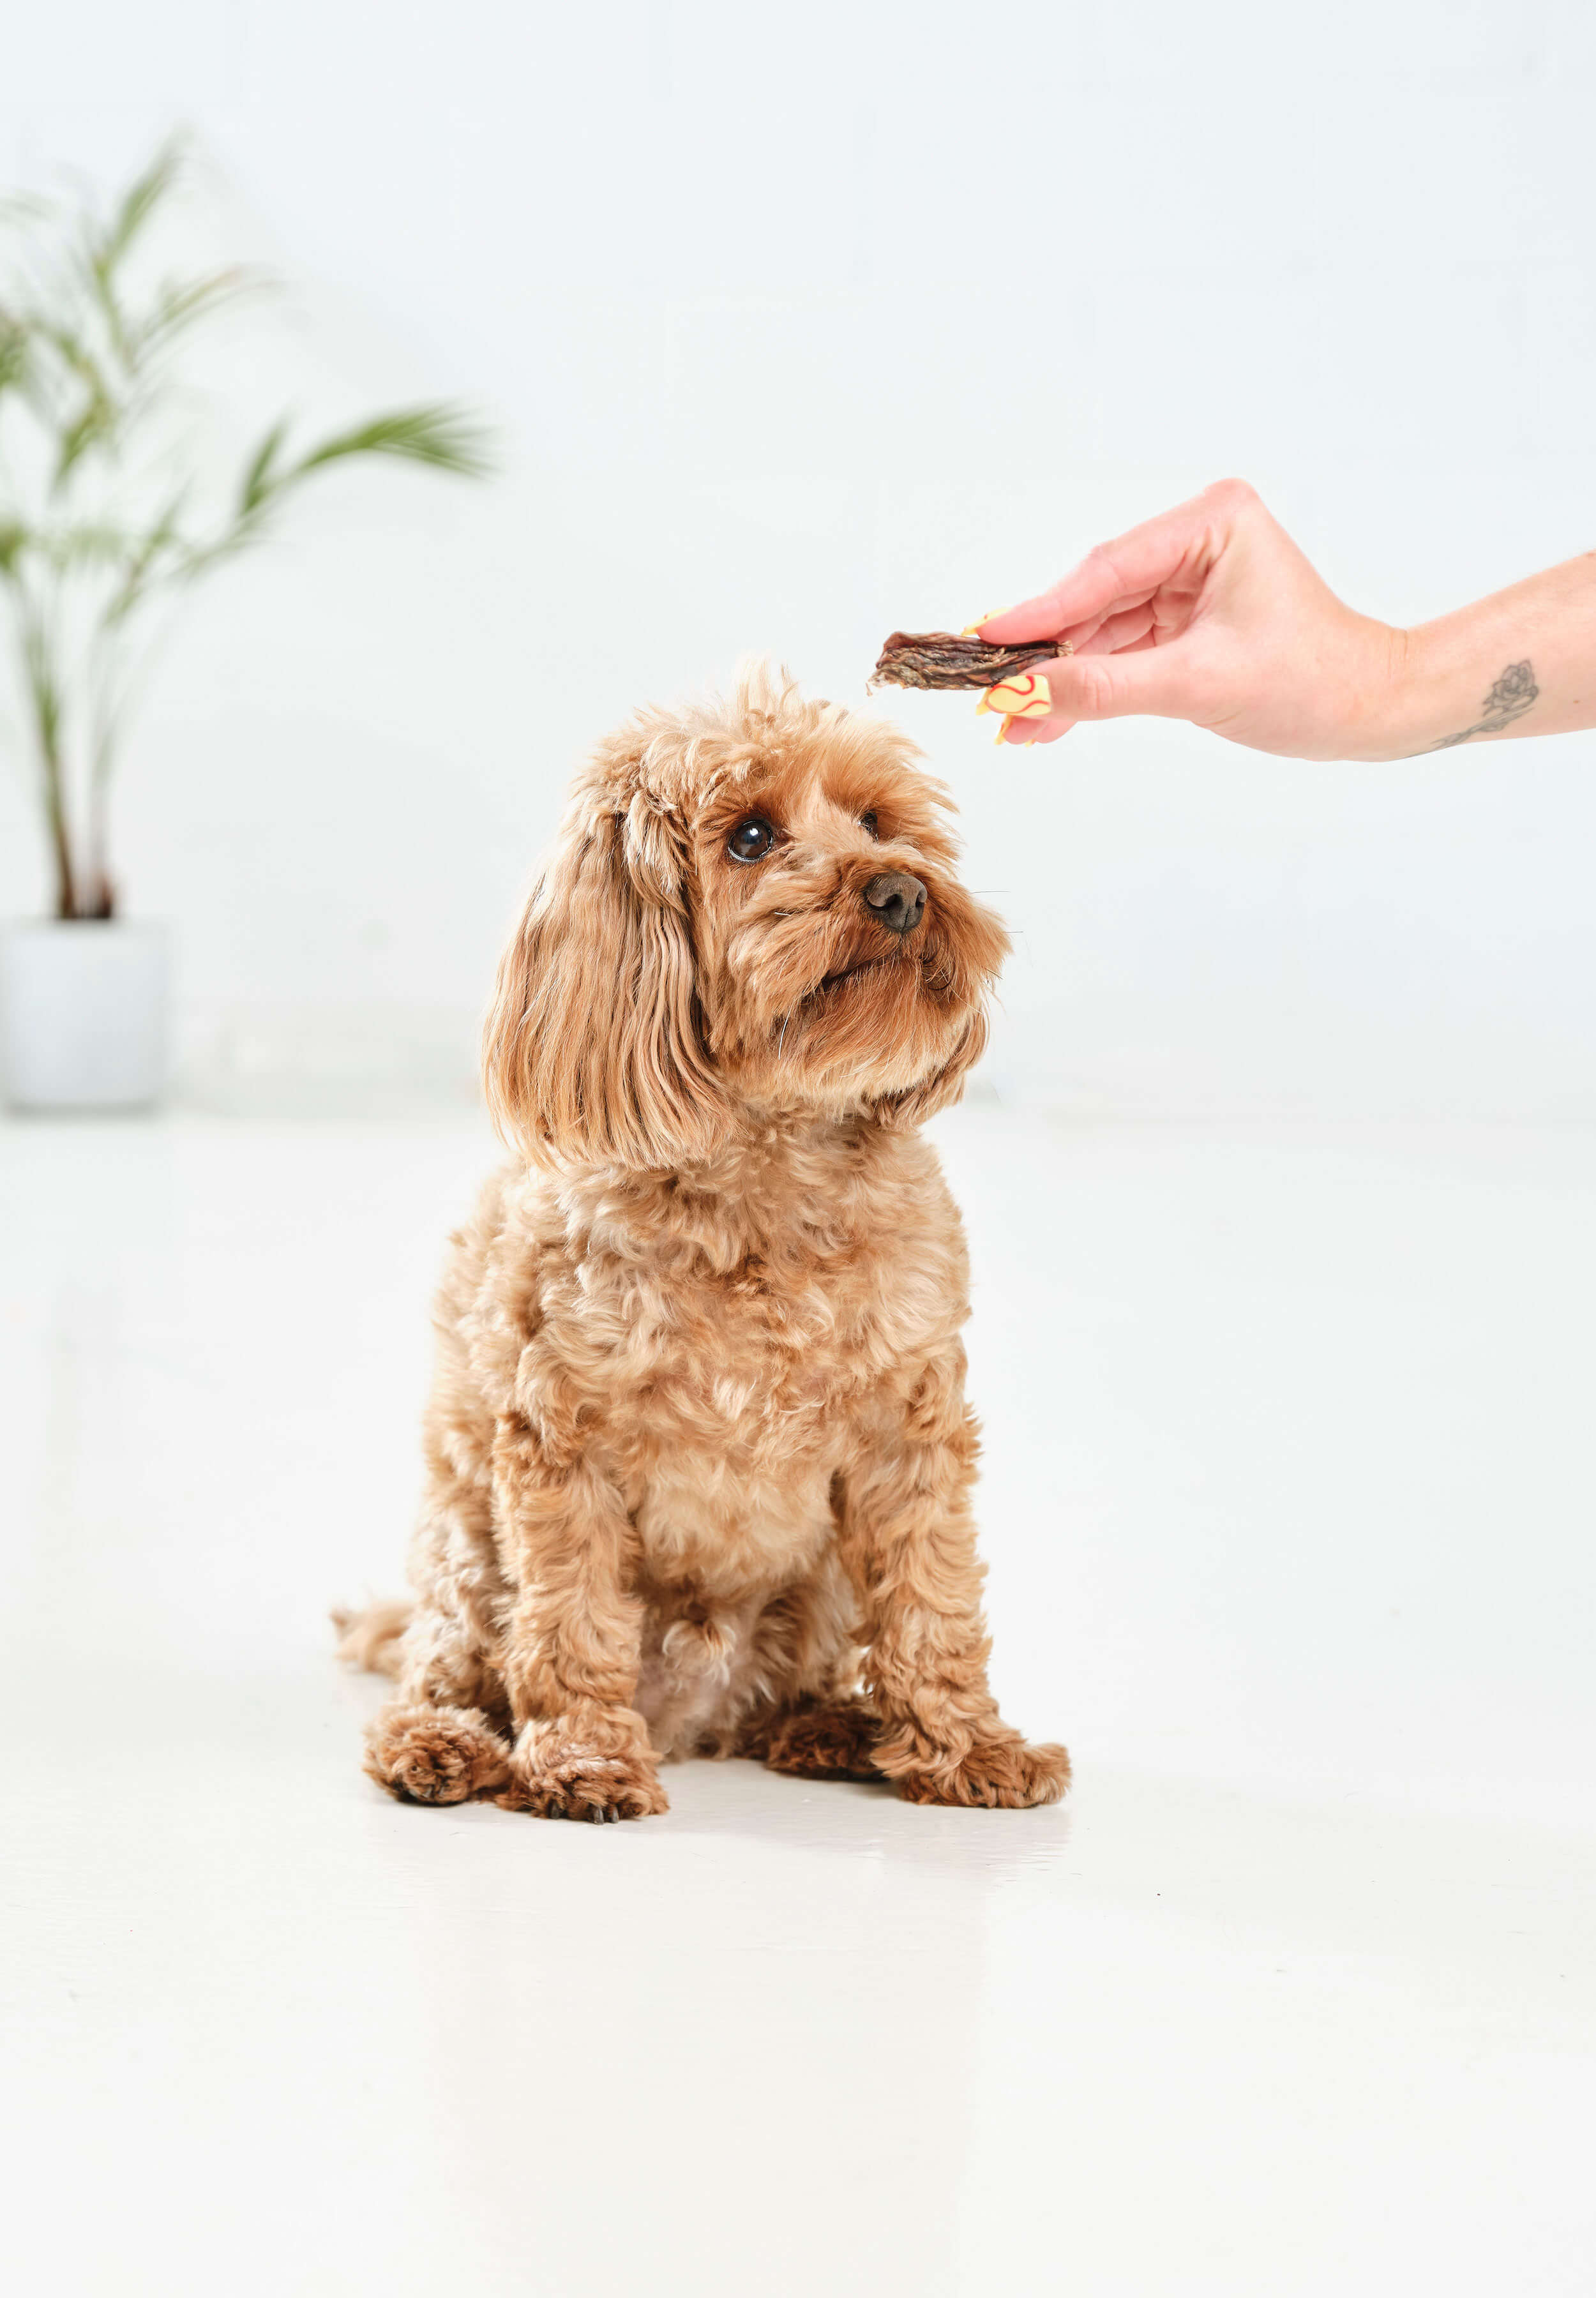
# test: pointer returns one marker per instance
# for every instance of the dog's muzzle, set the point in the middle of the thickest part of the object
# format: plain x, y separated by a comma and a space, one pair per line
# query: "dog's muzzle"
896, 901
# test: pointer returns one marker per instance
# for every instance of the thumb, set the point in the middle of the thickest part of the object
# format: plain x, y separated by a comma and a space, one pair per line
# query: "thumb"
1141, 681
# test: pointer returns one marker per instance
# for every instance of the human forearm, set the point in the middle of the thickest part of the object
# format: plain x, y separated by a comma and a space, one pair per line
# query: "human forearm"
1520, 662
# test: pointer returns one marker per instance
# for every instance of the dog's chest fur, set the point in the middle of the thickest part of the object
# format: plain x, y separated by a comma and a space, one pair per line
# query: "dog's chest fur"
717, 1341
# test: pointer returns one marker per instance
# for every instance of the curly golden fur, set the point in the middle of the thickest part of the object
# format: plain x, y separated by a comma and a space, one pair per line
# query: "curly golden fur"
698, 1458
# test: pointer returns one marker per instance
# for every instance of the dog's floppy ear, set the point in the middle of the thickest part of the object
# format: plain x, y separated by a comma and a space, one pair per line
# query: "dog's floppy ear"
592, 1047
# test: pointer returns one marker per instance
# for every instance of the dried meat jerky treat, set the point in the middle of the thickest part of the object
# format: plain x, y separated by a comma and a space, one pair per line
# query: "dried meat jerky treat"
936, 658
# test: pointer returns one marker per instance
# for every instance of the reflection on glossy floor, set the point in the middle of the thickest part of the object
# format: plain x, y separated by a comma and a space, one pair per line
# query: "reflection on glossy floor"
1288, 1497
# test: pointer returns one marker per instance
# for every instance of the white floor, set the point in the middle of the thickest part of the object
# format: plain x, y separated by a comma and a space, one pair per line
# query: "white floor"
1289, 1499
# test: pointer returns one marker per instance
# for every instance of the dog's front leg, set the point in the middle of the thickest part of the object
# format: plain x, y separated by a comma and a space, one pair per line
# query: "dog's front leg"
573, 1645
909, 1539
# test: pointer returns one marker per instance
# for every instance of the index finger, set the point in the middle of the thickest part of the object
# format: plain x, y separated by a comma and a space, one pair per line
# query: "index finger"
1114, 574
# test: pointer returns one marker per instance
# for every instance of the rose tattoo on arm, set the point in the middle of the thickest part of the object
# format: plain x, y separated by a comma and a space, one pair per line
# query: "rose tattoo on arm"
1508, 698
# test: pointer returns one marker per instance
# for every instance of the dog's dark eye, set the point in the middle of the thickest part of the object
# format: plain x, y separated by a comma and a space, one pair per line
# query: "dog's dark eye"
867, 821
752, 839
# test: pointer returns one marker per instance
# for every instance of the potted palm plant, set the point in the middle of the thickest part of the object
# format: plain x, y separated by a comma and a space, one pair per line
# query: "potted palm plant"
105, 524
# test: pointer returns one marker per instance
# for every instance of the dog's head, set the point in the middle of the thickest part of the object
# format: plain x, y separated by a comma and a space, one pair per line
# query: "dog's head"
752, 911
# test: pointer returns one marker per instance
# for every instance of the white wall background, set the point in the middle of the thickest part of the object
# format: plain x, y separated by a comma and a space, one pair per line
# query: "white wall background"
806, 323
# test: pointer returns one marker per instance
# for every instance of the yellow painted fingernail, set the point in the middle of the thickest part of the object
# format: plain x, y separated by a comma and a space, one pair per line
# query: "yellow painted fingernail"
1028, 696
972, 630
1002, 734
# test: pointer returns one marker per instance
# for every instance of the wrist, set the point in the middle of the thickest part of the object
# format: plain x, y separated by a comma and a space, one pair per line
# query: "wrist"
1395, 702
1466, 678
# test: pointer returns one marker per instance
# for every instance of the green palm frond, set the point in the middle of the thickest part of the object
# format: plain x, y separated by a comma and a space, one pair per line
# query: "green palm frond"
137, 204
131, 553
440, 435
260, 476
13, 350
66, 549
184, 304
105, 247
163, 541
74, 391
94, 425
72, 348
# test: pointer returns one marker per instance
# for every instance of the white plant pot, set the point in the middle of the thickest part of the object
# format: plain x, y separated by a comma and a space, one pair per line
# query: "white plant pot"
83, 1013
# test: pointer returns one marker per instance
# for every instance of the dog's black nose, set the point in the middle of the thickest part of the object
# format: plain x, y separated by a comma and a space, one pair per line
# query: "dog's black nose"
896, 900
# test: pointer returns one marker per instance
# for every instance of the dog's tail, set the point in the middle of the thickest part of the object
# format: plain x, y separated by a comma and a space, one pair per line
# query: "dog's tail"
370, 1639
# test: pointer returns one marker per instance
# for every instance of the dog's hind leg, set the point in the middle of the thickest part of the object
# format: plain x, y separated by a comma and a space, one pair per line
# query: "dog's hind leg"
822, 1739
811, 1719
370, 1639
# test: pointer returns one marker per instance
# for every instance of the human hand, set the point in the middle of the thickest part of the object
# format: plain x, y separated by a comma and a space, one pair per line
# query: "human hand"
1211, 612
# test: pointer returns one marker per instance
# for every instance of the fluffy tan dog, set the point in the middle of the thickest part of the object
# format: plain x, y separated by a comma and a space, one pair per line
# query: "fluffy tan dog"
700, 1462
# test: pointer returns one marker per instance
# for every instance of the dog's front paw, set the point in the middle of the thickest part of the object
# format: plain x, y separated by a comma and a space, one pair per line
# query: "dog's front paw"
435, 1754
557, 1775
1003, 1775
